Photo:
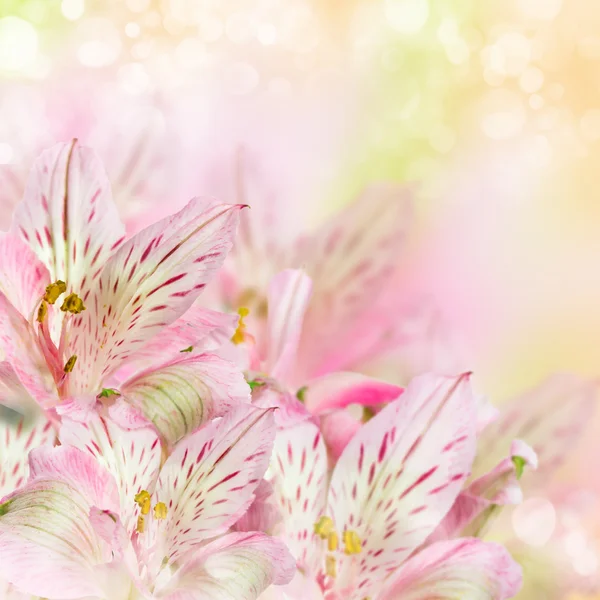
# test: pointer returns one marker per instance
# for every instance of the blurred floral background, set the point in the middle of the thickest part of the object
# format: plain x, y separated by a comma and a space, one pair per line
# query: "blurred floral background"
490, 110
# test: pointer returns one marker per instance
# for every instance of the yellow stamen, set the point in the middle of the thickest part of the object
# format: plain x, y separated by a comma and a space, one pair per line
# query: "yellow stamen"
70, 364
160, 511
141, 524
352, 542
330, 566
332, 541
42, 311
141, 498
54, 290
240, 333
323, 527
73, 304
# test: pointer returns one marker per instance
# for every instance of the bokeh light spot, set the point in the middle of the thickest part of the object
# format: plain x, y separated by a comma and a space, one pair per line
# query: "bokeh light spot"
266, 34
407, 16
72, 9
531, 80
503, 115
100, 44
540, 9
18, 44
534, 521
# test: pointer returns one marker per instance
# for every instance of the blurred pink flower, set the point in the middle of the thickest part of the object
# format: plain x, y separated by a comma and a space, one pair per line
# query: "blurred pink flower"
131, 135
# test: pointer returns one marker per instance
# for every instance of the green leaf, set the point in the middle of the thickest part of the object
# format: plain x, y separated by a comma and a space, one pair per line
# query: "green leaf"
106, 392
519, 463
188, 349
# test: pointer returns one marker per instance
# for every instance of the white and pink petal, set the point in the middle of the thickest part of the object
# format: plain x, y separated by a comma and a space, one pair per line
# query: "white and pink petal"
299, 477
238, 565
210, 479
463, 568
17, 440
146, 285
183, 394
68, 216
401, 473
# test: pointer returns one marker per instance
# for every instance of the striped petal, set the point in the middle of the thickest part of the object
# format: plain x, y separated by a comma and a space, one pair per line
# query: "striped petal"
147, 285
198, 330
209, 481
48, 546
132, 457
400, 475
180, 396
24, 355
464, 568
68, 217
357, 251
299, 471
23, 277
550, 418
288, 296
238, 565
16, 441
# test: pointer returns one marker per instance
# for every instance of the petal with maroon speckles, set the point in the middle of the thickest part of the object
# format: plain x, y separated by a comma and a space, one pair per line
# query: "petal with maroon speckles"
68, 216
299, 470
146, 285
209, 480
16, 441
400, 474
132, 457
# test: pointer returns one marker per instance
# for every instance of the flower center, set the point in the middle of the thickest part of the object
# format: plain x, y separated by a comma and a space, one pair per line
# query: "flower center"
144, 500
325, 529
54, 349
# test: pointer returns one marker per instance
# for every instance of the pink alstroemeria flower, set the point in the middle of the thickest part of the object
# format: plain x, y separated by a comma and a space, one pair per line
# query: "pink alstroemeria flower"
101, 518
273, 358
350, 260
78, 301
360, 534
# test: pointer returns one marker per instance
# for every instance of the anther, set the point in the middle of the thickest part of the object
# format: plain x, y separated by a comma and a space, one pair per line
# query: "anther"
323, 527
70, 363
73, 304
54, 290
160, 511
332, 541
352, 543
42, 311
330, 566
141, 524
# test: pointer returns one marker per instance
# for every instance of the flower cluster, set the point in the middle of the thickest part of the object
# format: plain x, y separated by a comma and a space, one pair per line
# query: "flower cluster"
168, 450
